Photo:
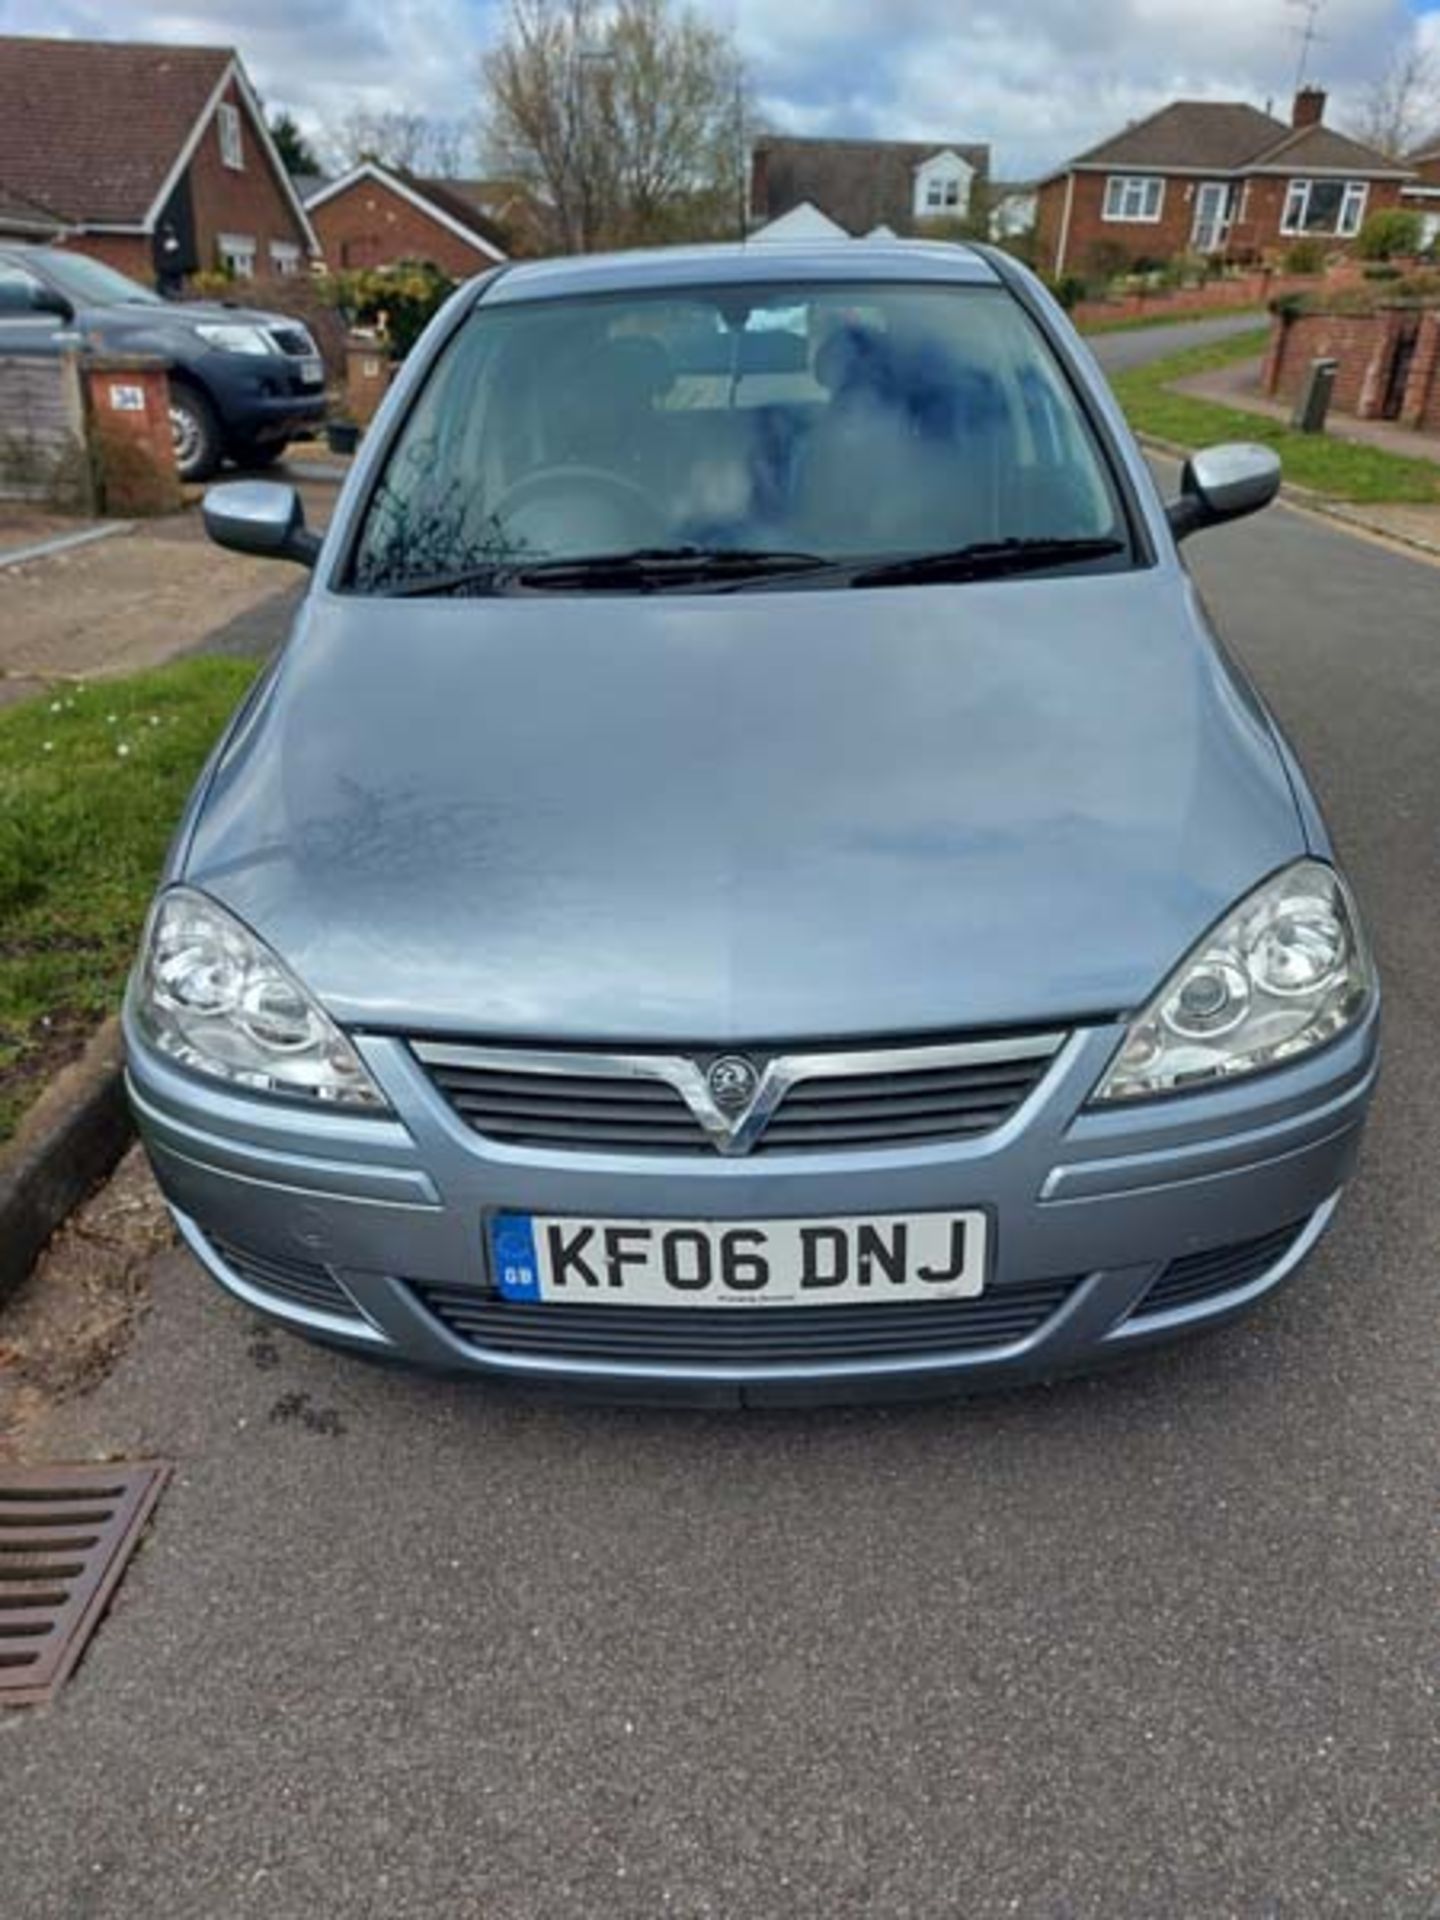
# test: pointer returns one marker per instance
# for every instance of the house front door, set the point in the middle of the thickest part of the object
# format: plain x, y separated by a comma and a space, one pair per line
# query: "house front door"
1212, 216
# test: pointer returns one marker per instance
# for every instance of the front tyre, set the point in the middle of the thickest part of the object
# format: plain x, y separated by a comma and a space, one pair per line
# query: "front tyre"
194, 431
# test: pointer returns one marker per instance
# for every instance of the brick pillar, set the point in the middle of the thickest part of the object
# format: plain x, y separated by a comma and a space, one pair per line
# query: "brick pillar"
1377, 371
128, 403
367, 376
1421, 386
1273, 370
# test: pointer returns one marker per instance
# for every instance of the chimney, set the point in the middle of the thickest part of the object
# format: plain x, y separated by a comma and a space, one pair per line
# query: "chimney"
1309, 108
760, 182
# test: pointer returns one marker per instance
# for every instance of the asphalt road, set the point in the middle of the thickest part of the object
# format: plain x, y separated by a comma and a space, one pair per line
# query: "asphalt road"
1133, 348
1161, 1643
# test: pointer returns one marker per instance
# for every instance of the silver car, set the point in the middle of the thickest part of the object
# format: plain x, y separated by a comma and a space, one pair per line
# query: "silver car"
752, 879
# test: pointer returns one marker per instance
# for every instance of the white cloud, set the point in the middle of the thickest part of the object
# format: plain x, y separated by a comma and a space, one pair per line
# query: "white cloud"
1039, 79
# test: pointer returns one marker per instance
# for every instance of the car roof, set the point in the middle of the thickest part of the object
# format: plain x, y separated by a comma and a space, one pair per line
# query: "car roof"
816, 262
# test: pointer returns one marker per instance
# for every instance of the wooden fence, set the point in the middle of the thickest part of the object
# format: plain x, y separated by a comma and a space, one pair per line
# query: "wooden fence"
42, 430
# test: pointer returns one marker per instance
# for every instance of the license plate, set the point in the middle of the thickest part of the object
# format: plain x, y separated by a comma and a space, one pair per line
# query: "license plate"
312, 371
755, 1263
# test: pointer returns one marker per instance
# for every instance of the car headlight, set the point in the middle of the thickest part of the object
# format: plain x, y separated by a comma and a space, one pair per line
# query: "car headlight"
231, 336
213, 997
1286, 971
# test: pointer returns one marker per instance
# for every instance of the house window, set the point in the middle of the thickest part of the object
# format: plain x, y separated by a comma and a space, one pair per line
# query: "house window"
1134, 196
237, 254
1325, 206
231, 150
284, 258
942, 186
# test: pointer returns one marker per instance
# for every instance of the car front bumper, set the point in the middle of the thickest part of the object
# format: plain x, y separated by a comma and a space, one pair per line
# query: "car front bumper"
1159, 1218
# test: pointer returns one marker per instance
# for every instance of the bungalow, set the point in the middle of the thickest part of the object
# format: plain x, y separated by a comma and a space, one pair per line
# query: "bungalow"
831, 189
1214, 177
374, 216
154, 158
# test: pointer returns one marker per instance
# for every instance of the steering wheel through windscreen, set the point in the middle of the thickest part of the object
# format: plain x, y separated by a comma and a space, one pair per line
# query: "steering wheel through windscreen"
580, 510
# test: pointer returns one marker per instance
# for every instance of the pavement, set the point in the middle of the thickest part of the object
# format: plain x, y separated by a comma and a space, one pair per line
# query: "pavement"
147, 594
1158, 1643
1238, 385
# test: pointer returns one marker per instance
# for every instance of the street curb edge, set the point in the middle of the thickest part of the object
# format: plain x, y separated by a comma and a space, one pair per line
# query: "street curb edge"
68, 1141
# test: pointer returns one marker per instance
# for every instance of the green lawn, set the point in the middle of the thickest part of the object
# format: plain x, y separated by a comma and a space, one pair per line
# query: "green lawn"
92, 780
1338, 468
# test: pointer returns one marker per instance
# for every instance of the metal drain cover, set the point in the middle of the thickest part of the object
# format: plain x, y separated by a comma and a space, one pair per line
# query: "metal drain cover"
65, 1536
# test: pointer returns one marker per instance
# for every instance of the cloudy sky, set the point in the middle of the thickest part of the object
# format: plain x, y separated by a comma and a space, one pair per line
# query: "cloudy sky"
1040, 79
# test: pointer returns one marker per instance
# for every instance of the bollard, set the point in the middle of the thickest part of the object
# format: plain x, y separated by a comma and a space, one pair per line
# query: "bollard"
1315, 397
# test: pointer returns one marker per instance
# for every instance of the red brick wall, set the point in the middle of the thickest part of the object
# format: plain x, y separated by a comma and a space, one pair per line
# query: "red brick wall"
126, 252
251, 202
1256, 229
1364, 344
1422, 389
1142, 240
370, 225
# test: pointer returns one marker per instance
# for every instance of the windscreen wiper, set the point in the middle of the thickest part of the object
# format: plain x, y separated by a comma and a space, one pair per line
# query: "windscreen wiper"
985, 560
638, 568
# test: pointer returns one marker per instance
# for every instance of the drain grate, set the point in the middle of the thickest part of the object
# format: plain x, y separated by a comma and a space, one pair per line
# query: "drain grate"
65, 1536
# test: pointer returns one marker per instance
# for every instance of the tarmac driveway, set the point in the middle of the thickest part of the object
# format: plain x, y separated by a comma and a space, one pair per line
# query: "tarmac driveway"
1161, 1643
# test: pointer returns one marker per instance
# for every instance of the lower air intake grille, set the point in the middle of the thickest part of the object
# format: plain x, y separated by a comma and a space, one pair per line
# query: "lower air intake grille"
1218, 1270
297, 1283
754, 1336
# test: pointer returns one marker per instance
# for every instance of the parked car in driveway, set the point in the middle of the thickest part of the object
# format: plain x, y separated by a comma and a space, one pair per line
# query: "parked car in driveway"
753, 877
243, 383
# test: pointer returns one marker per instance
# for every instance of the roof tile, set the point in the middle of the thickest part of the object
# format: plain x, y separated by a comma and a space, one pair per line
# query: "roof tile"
91, 128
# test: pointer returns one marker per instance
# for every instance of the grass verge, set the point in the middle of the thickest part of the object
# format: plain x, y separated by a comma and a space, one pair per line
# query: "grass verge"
1341, 469
92, 780
1146, 322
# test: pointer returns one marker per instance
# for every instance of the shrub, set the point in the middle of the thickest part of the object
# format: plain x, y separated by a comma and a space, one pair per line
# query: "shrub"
1070, 289
1306, 256
1393, 230
1106, 260
400, 300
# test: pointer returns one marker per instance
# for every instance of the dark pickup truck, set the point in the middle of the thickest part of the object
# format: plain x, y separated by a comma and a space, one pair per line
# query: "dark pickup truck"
243, 384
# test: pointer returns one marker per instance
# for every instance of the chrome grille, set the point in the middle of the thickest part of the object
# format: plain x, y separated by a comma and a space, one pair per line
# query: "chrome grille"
758, 1336
586, 1101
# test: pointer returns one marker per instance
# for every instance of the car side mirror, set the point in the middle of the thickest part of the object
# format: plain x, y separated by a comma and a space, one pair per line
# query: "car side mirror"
49, 300
1224, 483
261, 517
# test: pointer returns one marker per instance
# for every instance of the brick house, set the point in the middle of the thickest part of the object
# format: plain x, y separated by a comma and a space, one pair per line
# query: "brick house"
374, 216
1214, 177
1422, 194
153, 158
834, 188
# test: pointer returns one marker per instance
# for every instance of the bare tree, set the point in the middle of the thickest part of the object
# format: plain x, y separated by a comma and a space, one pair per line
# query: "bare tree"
628, 120
1399, 108
411, 141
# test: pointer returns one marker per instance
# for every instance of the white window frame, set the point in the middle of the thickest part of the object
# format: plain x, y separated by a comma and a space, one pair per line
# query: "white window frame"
285, 258
237, 252
942, 186
1348, 221
1134, 199
1352, 208
232, 144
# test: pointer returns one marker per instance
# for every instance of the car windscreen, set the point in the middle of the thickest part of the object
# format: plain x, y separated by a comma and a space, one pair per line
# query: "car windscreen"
90, 283
828, 423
